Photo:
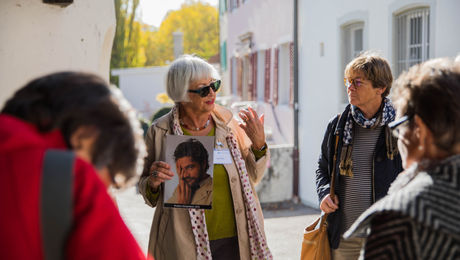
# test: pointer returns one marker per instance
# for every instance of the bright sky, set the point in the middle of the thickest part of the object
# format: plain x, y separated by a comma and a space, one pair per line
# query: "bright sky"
153, 11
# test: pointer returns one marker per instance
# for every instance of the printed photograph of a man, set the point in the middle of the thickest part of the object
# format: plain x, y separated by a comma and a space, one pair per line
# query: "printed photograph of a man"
195, 184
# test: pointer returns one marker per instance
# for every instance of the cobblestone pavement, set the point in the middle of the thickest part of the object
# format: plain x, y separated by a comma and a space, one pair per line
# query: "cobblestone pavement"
284, 223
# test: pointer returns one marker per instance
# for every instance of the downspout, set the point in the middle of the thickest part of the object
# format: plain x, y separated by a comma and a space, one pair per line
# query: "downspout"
295, 155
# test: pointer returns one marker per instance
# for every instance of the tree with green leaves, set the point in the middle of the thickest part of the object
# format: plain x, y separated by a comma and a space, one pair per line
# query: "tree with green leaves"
127, 44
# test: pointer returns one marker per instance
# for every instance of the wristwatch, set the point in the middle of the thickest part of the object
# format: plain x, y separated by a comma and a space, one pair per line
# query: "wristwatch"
261, 148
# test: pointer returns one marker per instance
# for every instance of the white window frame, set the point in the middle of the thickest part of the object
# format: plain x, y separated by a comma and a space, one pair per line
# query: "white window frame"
412, 40
284, 74
349, 51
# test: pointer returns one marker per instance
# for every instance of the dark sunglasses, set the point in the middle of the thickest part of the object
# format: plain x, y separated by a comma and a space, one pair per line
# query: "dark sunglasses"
395, 124
204, 91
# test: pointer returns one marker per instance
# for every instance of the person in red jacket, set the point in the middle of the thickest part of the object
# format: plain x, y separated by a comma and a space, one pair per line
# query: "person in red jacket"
65, 111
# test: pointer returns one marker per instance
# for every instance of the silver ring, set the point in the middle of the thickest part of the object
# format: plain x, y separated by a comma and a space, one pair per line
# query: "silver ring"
154, 174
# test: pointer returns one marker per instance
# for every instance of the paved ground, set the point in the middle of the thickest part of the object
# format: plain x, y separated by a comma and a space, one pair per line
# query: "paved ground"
284, 223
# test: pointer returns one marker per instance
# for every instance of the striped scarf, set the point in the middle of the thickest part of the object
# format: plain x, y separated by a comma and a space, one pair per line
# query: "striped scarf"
258, 244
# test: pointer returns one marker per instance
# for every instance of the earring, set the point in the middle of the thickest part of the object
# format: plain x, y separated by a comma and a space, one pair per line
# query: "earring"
420, 148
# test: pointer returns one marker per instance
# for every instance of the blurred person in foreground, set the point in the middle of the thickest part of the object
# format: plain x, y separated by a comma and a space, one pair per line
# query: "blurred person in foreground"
195, 184
67, 111
234, 227
420, 216
367, 156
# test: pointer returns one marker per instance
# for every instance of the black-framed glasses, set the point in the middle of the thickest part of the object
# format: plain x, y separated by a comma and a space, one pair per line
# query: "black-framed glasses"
204, 91
394, 126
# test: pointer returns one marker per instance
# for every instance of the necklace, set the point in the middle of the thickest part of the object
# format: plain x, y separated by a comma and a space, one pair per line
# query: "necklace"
195, 128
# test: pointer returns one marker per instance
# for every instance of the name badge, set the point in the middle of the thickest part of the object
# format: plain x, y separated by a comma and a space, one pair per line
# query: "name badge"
222, 156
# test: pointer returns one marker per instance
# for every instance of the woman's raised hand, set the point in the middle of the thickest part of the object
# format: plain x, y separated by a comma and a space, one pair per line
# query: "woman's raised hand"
159, 172
253, 126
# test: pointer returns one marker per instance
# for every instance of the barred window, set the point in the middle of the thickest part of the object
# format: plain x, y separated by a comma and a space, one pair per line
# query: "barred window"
412, 38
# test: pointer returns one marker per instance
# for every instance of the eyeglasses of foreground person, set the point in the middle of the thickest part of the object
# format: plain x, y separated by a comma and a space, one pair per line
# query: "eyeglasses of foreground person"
395, 125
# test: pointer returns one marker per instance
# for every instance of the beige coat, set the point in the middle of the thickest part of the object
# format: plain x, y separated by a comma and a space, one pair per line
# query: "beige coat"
171, 235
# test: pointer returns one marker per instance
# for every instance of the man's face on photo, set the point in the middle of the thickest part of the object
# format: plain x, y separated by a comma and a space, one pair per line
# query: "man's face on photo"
188, 170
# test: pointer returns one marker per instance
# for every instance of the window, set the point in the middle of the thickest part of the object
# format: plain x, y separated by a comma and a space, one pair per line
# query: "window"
261, 75
412, 38
222, 6
353, 45
223, 56
284, 84
233, 4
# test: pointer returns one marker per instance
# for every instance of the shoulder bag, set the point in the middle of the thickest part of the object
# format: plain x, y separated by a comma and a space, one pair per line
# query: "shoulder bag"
315, 244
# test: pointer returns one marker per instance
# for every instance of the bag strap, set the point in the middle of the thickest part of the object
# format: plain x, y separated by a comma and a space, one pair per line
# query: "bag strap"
56, 202
331, 189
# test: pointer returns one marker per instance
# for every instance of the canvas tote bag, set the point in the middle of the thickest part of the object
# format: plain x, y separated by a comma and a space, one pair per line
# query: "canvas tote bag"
315, 244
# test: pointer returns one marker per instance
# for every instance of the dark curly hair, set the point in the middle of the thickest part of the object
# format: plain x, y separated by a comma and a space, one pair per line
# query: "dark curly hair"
69, 100
194, 149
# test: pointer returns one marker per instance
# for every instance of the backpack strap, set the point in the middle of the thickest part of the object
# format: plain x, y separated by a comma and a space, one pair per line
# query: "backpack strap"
56, 202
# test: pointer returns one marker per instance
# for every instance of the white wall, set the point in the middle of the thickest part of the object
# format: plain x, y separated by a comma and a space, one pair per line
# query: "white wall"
271, 24
321, 77
270, 20
446, 29
38, 38
141, 86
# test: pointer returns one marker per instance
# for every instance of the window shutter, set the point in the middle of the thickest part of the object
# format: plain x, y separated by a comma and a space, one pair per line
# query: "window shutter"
268, 53
412, 34
254, 76
250, 79
239, 77
275, 76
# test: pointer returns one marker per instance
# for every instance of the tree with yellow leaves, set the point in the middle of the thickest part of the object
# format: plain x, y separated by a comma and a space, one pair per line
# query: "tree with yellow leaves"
137, 44
198, 22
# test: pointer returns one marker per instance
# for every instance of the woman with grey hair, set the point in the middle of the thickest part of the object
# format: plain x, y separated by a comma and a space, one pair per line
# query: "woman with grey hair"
419, 218
233, 228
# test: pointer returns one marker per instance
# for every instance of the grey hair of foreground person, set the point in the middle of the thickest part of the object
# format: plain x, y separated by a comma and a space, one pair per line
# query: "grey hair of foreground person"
185, 70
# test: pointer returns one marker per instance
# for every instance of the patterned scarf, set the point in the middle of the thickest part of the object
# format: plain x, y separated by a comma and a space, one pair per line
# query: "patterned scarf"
385, 115
258, 245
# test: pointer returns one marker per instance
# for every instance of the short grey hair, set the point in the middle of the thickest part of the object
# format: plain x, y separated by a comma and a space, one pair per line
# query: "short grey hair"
183, 71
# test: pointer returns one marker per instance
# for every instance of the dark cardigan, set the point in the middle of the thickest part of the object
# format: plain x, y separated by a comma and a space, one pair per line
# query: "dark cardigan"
385, 170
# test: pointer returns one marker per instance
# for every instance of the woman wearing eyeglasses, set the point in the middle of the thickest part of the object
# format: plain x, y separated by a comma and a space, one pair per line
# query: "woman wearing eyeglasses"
420, 216
366, 154
233, 228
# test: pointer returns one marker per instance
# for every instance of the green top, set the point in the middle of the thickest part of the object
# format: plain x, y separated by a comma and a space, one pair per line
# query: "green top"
220, 220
